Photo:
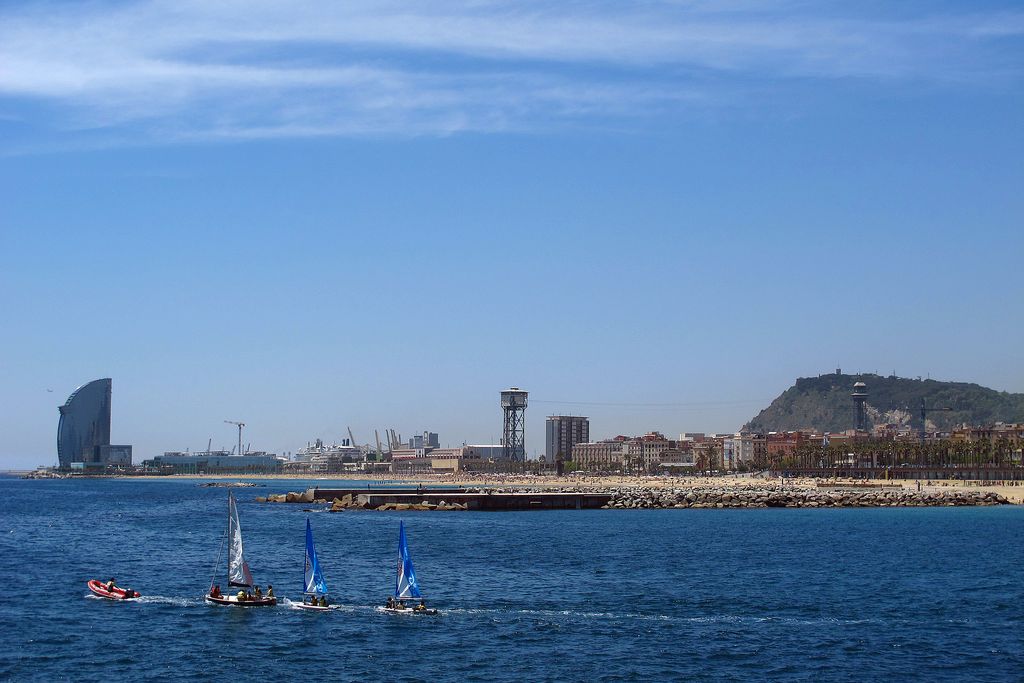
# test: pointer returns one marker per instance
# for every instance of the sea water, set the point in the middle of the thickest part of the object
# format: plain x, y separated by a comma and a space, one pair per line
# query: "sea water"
775, 594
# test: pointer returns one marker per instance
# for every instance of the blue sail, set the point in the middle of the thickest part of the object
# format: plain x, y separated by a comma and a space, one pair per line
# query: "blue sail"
405, 585
314, 584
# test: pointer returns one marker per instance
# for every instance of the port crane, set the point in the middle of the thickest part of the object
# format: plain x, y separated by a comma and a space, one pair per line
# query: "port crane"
351, 439
239, 425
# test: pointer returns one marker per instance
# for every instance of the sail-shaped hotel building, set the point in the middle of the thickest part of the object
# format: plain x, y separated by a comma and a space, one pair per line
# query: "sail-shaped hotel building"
83, 433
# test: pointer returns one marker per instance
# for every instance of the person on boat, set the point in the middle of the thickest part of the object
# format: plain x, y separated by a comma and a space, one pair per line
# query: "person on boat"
110, 584
215, 591
390, 603
323, 601
241, 596
259, 594
128, 593
270, 591
422, 607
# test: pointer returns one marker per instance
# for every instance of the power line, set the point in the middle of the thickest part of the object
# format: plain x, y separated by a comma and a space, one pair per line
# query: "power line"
692, 404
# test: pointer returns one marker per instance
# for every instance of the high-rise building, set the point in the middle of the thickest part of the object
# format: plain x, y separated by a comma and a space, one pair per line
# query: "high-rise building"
84, 424
426, 440
562, 432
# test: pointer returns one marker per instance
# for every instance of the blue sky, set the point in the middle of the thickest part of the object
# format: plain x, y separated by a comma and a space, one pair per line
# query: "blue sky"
380, 214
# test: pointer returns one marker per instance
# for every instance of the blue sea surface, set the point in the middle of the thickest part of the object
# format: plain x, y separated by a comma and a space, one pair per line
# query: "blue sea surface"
933, 594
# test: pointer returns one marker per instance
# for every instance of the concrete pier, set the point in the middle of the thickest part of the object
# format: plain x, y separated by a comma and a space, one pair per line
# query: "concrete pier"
332, 493
448, 498
489, 502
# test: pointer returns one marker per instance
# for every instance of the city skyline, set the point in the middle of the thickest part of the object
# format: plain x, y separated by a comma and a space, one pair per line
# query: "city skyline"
654, 214
638, 417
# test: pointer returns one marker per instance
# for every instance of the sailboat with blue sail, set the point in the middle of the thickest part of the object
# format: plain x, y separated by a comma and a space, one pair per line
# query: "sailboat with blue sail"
314, 587
407, 588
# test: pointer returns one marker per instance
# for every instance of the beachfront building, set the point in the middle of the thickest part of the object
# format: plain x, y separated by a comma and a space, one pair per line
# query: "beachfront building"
215, 462
627, 454
599, 456
678, 460
731, 447
1011, 432
643, 454
783, 444
739, 450
447, 460
562, 432
83, 431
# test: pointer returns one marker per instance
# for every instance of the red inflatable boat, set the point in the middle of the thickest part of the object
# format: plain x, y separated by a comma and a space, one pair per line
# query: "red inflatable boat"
116, 593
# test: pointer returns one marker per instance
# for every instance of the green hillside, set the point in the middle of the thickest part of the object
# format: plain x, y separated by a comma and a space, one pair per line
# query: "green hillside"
823, 403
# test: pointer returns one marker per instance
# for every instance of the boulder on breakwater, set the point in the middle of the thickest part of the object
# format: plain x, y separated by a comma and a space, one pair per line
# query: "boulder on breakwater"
290, 497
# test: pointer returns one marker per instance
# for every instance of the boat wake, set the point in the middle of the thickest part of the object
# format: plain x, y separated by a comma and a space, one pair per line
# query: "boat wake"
170, 600
93, 596
573, 615
153, 600
291, 604
554, 614
499, 614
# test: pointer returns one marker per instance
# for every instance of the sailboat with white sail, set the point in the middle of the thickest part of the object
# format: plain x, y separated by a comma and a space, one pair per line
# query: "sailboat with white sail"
314, 587
407, 588
239, 575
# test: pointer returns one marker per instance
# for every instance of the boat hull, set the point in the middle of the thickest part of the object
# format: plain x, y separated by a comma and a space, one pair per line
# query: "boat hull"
233, 601
100, 589
313, 608
409, 610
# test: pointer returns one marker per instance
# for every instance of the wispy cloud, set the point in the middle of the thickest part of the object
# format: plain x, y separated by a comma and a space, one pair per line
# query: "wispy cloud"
188, 68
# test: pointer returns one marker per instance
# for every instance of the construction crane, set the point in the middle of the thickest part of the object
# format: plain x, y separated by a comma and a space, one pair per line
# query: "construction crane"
239, 425
351, 439
924, 415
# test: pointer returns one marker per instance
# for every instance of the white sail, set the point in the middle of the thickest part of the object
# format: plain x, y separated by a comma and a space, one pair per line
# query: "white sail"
238, 568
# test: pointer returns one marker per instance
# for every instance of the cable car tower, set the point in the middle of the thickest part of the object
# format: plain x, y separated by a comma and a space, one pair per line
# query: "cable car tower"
513, 403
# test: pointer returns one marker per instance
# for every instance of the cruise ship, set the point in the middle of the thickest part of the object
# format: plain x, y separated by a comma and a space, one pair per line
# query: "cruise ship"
325, 458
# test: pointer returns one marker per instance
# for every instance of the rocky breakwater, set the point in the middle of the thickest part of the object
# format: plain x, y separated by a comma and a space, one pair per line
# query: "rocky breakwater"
290, 497
787, 497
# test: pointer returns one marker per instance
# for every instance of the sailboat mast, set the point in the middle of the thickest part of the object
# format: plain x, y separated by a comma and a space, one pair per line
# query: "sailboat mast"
228, 536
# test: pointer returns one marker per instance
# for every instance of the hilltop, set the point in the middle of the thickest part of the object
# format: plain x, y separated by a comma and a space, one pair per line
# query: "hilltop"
823, 404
